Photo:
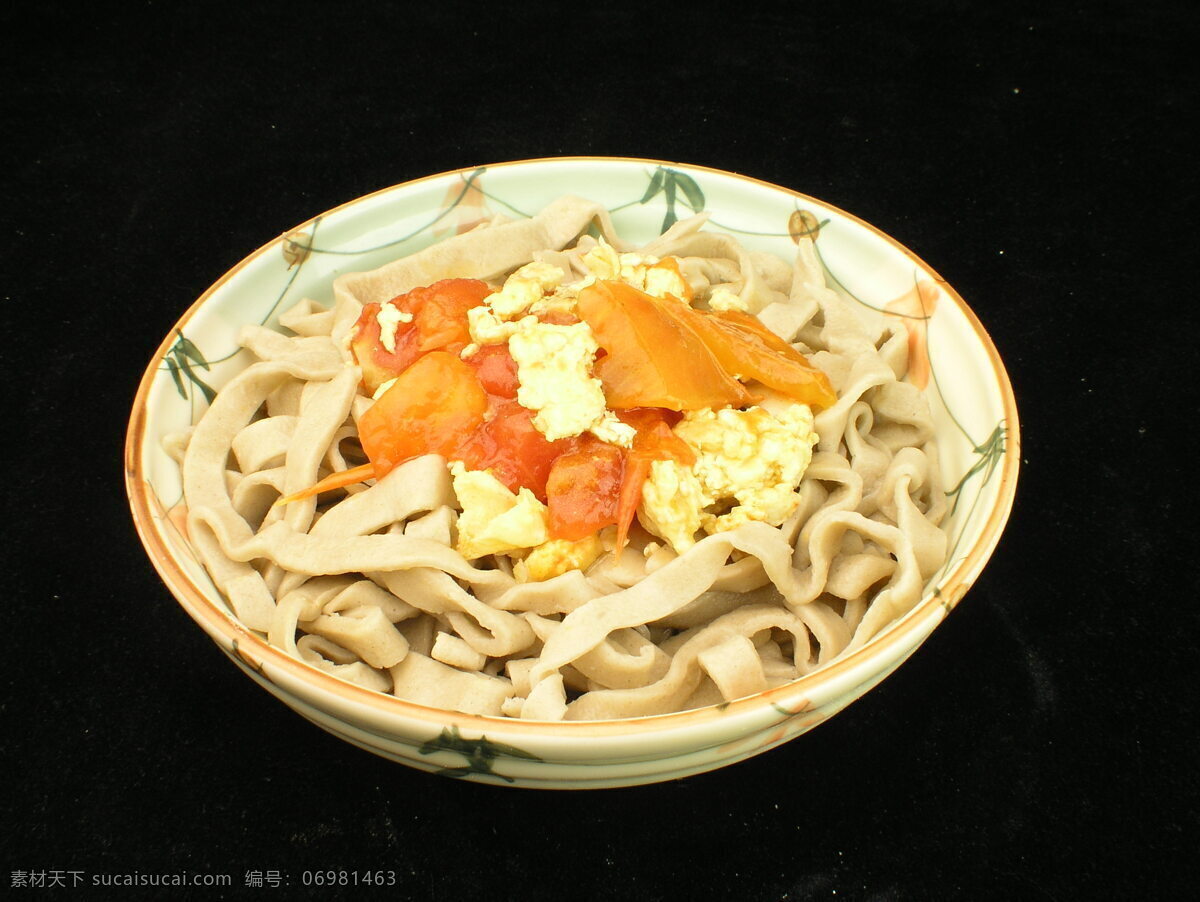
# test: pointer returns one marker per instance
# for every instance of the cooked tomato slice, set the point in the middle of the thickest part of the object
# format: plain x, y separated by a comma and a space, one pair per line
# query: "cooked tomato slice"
430, 408
440, 312
742, 344
596, 484
653, 359
584, 489
439, 322
655, 439
633, 477
510, 446
496, 369
377, 362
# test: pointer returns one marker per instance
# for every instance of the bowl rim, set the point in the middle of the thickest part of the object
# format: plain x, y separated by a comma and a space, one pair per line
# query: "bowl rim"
897, 637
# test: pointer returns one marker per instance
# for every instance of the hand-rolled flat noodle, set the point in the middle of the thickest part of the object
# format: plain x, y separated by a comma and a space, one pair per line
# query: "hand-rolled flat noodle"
204, 481
361, 592
301, 355
894, 350
493, 632
704, 695
685, 673
249, 598
435, 526
734, 667
264, 443
906, 477
851, 575
452, 650
710, 605
422, 680
364, 630
623, 660
332, 658
303, 603
518, 671
308, 318
778, 668
786, 318
335, 457
322, 413
865, 373
869, 457
253, 495
547, 700
480, 254
673, 586
420, 633
902, 415
284, 401
558, 595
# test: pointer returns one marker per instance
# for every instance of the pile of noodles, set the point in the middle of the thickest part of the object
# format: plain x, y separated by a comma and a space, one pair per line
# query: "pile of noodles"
367, 585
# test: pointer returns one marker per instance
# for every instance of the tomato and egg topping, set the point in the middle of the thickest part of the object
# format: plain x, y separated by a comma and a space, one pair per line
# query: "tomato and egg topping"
568, 410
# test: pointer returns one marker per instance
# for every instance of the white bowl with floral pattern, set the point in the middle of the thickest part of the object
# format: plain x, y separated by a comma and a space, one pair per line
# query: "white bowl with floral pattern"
951, 359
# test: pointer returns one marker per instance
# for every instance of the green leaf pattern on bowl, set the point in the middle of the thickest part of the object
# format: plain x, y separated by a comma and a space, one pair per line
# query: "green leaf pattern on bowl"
480, 754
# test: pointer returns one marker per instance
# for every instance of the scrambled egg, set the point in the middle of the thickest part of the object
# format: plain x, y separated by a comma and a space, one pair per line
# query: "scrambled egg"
748, 465
493, 519
389, 318
564, 299
487, 328
554, 372
557, 557
724, 299
610, 429
672, 502
382, 390
644, 272
523, 288
506, 312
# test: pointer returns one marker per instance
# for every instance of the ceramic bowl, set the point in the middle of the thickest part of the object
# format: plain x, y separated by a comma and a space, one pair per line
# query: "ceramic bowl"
958, 367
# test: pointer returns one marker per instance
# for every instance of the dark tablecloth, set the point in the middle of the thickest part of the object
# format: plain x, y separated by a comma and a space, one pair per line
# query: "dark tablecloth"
1042, 744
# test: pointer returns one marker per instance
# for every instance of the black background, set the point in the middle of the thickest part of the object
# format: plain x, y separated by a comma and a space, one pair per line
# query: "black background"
1042, 744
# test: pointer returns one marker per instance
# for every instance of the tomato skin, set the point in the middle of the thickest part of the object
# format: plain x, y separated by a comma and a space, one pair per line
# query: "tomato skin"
653, 359
558, 318
654, 439
637, 471
508, 444
430, 407
706, 349
744, 345
583, 490
439, 322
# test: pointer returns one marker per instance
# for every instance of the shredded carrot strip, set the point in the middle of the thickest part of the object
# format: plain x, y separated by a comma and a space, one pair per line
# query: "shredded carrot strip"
337, 480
